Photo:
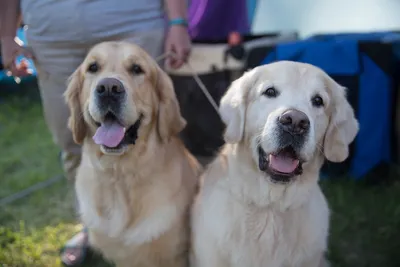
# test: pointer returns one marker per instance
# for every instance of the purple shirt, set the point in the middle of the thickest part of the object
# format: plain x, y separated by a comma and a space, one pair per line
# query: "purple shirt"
215, 19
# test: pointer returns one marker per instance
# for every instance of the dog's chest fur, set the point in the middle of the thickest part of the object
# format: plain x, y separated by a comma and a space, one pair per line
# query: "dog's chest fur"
113, 208
271, 237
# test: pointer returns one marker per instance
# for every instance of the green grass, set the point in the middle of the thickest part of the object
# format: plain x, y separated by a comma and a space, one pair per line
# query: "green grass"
32, 229
28, 154
365, 225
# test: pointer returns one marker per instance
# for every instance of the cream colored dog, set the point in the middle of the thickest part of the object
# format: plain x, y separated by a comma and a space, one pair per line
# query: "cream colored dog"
136, 181
260, 204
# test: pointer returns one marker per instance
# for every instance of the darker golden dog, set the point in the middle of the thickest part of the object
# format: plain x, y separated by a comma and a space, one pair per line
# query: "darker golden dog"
136, 179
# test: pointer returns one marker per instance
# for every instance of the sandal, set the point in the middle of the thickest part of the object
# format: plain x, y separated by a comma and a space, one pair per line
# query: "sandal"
79, 245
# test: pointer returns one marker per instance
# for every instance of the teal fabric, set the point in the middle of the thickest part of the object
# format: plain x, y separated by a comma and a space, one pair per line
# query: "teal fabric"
251, 10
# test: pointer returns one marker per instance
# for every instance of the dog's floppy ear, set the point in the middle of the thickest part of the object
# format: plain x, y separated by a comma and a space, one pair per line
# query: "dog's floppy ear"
76, 122
169, 119
232, 108
343, 126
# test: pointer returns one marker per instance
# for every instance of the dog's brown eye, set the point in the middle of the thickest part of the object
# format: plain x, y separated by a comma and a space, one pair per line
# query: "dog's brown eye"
317, 101
93, 68
136, 69
270, 92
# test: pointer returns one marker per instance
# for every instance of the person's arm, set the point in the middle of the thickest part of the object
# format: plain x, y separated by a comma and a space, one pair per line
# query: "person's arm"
176, 9
178, 39
9, 18
10, 45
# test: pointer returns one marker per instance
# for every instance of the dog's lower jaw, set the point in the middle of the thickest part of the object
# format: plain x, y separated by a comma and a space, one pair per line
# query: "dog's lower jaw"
276, 177
130, 138
118, 151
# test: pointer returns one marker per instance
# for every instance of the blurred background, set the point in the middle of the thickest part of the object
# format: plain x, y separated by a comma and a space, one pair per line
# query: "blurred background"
357, 42
309, 17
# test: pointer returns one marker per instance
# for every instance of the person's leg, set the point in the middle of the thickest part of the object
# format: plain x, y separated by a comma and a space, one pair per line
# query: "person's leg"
56, 115
55, 63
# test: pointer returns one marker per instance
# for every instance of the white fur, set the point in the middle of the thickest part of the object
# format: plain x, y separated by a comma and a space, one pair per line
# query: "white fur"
240, 216
152, 227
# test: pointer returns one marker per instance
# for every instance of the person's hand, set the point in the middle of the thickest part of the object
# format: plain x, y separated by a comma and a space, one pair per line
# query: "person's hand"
177, 41
10, 50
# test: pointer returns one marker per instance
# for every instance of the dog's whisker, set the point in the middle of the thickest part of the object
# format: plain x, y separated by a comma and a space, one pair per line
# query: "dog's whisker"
320, 148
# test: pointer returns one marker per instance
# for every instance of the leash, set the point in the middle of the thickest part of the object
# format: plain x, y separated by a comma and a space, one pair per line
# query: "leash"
28, 191
195, 77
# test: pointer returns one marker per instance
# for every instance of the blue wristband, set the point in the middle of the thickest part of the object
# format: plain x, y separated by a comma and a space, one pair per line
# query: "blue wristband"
178, 21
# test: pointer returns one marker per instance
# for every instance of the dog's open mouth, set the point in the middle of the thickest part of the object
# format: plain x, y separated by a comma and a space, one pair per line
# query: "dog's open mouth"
113, 136
281, 165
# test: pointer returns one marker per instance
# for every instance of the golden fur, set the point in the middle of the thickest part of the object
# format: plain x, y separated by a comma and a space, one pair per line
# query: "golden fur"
243, 218
135, 204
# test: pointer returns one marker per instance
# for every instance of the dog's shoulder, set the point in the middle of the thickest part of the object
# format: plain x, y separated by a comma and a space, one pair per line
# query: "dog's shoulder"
216, 172
213, 199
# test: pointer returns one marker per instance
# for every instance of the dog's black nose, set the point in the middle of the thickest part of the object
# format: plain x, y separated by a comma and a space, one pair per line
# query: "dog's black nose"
294, 122
110, 87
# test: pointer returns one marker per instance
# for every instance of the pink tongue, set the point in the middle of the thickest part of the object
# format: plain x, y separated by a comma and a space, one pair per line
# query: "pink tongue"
109, 134
282, 163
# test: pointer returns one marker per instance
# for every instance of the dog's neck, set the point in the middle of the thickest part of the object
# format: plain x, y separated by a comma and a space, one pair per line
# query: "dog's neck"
253, 187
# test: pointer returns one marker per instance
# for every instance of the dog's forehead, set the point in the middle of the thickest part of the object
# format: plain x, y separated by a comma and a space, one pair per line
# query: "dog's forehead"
116, 51
102, 50
291, 75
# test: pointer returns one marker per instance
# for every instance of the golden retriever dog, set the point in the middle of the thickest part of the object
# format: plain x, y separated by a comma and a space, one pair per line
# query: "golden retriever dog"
259, 202
137, 181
